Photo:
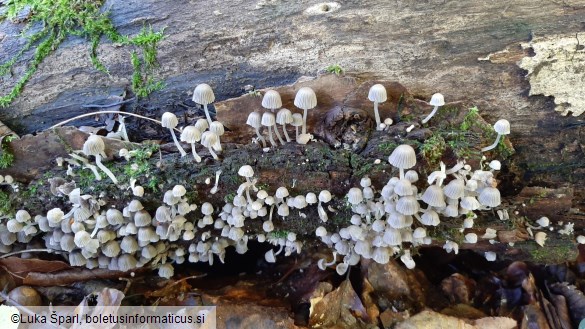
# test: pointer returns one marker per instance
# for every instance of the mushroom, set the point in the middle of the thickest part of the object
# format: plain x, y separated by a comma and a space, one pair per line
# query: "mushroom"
203, 94
94, 145
305, 99
169, 120
403, 157
377, 95
254, 121
436, 101
191, 135
268, 120
271, 100
214, 188
210, 140
502, 127
283, 117
297, 122
202, 125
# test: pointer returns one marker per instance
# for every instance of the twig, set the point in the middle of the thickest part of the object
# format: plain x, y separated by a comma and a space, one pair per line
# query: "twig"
107, 112
29, 250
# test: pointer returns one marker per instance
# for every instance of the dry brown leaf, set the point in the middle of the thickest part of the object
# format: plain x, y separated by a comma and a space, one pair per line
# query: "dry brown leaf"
341, 308
21, 267
74, 275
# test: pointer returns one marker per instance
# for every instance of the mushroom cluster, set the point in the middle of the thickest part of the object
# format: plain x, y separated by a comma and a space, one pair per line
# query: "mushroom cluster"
391, 221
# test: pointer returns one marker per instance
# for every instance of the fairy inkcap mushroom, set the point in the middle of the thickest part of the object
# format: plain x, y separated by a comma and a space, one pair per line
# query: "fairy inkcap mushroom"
502, 127
489, 196
305, 99
284, 117
210, 140
255, 121
191, 135
94, 145
217, 127
271, 100
170, 121
269, 121
202, 125
203, 94
403, 157
297, 122
436, 101
377, 95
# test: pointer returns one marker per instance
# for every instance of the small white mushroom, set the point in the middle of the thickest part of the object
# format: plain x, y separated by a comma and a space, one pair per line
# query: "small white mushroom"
170, 121
210, 140
502, 127
94, 145
436, 101
284, 117
255, 121
203, 94
214, 188
269, 121
377, 94
540, 237
192, 135
305, 99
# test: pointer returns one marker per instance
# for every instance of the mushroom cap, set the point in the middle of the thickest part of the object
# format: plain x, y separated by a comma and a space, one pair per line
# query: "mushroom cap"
202, 125
321, 231
268, 119
311, 198
403, 187
471, 238
365, 181
254, 120
284, 116
246, 171
434, 196
455, 189
419, 233
377, 93
381, 255
191, 134
114, 216
135, 205
271, 100
502, 127
207, 209
179, 190
217, 127
203, 94
437, 100
495, 165
305, 98
297, 120
407, 205
325, 196
166, 271
281, 192
210, 139
403, 157
469, 203
300, 202
489, 196
169, 120
355, 196
94, 145
22, 216
411, 176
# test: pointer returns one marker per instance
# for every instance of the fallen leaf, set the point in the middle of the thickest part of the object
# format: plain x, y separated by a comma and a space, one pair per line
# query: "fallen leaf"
341, 308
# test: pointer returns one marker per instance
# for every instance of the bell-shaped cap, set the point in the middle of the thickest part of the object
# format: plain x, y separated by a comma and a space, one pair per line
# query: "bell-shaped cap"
94, 145
284, 116
377, 93
271, 100
268, 119
254, 120
437, 100
403, 157
305, 98
190, 134
203, 94
502, 127
169, 120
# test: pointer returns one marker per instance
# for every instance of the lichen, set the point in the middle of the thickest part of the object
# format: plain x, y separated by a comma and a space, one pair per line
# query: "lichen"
556, 69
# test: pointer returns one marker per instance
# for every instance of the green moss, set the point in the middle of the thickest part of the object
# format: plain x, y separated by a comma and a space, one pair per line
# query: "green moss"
278, 234
6, 155
63, 18
387, 147
336, 68
6, 207
560, 252
433, 149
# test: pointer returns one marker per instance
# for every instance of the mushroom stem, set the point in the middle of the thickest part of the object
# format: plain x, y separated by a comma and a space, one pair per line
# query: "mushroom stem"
207, 114
183, 153
212, 153
279, 250
270, 137
285, 132
98, 161
401, 173
425, 120
487, 148
377, 115
275, 127
195, 155
297, 132
304, 121
214, 188
122, 128
94, 170
260, 137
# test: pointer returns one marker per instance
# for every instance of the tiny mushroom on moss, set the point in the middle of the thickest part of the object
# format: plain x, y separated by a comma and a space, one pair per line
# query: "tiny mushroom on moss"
192, 135
403, 157
377, 94
170, 121
94, 145
283, 117
203, 94
269, 121
297, 122
502, 127
210, 140
255, 121
305, 99
436, 101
